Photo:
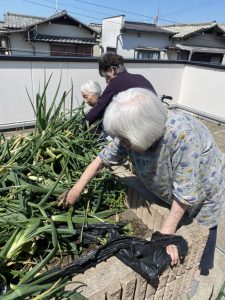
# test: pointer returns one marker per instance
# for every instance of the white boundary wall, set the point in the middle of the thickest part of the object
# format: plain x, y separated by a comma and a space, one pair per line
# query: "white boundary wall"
194, 86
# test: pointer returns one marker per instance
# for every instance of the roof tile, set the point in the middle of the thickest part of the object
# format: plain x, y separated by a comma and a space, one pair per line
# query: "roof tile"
184, 30
63, 39
17, 21
143, 27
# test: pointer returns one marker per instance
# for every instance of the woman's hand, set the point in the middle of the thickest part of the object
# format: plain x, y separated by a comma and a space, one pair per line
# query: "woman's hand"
174, 254
170, 225
70, 197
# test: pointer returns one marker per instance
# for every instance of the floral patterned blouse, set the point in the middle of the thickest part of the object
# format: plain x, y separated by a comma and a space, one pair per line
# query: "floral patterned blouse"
185, 164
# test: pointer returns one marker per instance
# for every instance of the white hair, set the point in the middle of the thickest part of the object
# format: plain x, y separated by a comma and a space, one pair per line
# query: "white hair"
137, 115
91, 87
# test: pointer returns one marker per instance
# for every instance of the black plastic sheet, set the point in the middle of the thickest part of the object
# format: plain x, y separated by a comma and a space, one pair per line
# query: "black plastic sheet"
147, 258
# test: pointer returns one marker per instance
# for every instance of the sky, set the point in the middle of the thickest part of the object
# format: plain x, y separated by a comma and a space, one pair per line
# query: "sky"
93, 11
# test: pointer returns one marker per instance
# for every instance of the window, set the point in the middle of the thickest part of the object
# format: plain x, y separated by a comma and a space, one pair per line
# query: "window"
207, 57
3, 46
183, 55
71, 50
110, 49
146, 54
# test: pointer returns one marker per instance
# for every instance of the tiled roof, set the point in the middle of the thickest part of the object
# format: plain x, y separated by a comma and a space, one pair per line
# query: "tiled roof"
61, 39
65, 14
17, 21
143, 27
97, 27
185, 30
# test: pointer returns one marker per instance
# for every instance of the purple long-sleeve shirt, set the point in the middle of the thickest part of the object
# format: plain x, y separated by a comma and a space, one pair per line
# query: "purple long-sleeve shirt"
122, 82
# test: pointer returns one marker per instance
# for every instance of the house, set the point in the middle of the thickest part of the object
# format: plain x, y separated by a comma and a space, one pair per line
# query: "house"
135, 39
203, 42
63, 35
57, 35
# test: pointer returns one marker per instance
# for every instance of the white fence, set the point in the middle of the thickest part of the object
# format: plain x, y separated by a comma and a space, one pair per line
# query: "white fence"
197, 87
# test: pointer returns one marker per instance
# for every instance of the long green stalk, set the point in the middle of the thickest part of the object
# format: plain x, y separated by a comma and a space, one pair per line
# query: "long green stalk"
34, 171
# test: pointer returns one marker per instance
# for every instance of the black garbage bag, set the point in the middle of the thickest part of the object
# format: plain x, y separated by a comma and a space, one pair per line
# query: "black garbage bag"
148, 258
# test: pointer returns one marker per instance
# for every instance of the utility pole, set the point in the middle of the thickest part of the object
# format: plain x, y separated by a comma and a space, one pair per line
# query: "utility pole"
156, 18
145, 15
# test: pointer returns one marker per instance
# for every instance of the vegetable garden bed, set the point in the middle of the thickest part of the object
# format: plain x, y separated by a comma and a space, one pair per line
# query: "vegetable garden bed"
115, 281
36, 234
34, 170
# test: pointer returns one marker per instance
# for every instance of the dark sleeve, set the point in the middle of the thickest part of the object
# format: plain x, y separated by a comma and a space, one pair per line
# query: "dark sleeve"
97, 112
147, 84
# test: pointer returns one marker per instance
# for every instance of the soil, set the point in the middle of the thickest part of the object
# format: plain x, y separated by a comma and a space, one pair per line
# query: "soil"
140, 230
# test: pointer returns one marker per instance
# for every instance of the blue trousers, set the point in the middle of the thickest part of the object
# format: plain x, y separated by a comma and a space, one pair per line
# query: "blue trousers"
207, 260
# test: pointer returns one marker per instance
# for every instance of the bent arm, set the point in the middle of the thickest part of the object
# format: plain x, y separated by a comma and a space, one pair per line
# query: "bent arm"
170, 226
109, 155
176, 213
90, 172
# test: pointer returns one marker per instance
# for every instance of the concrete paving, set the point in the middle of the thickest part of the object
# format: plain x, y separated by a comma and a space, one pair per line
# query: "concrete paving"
210, 285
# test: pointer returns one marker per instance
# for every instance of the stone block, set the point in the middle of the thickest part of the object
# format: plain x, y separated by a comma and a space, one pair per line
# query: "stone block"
150, 292
128, 287
152, 214
131, 198
163, 279
172, 273
140, 204
141, 287
189, 276
114, 292
161, 213
181, 267
177, 286
159, 295
168, 292
145, 213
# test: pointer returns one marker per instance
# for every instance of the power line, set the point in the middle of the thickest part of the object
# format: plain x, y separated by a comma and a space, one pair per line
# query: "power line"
75, 13
191, 7
71, 12
44, 5
89, 16
69, 5
183, 10
143, 15
115, 9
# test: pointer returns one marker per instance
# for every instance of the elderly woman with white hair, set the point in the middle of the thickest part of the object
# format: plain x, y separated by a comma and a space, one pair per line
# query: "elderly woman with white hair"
172, 153
91, 91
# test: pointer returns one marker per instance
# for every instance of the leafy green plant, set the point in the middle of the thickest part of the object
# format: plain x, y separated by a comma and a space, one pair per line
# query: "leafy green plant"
34, 170
128, 229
